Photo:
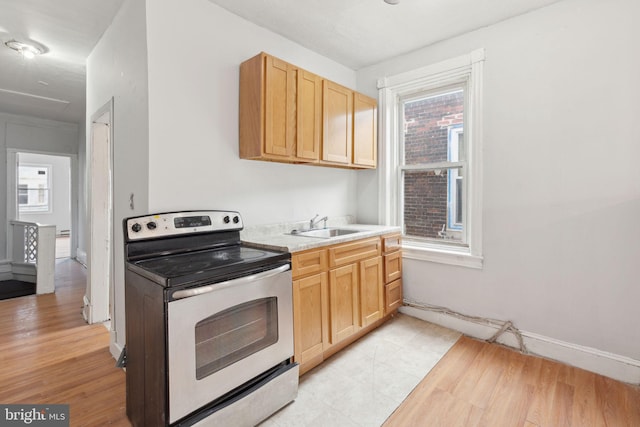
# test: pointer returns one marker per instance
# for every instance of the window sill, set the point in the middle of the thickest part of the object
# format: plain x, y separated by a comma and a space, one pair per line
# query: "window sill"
441, 255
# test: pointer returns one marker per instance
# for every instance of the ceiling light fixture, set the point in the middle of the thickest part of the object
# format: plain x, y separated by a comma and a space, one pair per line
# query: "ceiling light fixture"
392, 1
27, 49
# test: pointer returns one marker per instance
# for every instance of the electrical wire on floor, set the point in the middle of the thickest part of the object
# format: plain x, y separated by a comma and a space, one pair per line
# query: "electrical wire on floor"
503, 326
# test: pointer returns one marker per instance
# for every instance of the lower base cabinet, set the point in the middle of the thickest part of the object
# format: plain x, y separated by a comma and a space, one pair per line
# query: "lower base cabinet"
343, 302
338, 301
310, 300
393, 296
371, 291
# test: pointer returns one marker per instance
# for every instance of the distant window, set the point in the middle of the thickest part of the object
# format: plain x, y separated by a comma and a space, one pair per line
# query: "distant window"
34, 188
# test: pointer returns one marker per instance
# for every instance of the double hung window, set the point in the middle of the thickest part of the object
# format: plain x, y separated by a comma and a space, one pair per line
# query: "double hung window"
34, 188
431, 166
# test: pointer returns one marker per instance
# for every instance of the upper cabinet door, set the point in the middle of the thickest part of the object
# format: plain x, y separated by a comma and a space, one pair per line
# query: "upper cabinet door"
279, 107
287, 114
365, 125
309, 130
337, 123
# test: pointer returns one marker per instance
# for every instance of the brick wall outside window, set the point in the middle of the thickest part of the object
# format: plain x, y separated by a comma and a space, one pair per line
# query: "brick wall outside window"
427, 122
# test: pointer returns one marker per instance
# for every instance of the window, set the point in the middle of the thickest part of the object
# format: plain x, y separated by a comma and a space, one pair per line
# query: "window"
34, 188
431, 165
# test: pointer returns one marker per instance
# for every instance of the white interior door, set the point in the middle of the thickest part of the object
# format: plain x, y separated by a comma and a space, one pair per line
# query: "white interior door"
100, 257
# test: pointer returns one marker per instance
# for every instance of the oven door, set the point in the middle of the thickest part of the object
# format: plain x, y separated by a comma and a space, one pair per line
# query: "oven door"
224, 334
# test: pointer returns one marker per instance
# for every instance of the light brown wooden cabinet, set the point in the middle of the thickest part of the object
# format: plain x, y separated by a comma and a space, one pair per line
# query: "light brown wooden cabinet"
288, 114
365, 131
309, 116
337, 116
343, 302
371, 291
338, 296
310, 300
392, 255
267, 108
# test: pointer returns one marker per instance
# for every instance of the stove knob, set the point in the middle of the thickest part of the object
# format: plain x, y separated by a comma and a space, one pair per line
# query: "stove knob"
136, 227
151, 225
236, 219
226, 219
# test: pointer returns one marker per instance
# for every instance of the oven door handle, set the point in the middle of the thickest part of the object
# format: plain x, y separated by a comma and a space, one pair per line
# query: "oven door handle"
187, 293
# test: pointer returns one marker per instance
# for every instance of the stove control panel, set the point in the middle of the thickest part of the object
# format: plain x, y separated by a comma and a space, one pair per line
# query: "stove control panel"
179, 223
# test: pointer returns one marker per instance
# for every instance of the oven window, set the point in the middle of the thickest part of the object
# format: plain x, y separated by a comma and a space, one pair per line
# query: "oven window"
234, 334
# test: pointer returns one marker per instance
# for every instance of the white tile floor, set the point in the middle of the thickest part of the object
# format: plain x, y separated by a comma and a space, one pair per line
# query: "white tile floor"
363, 384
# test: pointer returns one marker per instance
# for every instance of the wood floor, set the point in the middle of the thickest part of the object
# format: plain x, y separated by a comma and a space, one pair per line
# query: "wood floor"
481, 384
48, 355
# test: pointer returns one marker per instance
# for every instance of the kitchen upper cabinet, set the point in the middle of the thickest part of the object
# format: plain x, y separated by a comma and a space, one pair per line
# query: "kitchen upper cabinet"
309, 114
337, 141
279, 107
288, 114
365, 130
267, 109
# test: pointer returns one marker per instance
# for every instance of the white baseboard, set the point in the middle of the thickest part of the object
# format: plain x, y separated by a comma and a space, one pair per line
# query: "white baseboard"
81, 257
25, 272
611, 365
5, 269
86, 309
114, 348
24, 269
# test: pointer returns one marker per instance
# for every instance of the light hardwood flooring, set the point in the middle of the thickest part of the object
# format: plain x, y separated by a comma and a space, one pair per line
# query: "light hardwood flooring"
48, 355
480, 384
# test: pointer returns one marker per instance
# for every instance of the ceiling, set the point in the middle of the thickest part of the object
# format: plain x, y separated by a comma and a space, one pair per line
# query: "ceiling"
52, 85
358, 33
355, 33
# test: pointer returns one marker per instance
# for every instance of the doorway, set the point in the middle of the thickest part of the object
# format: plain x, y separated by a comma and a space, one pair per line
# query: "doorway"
41, 188
44, 194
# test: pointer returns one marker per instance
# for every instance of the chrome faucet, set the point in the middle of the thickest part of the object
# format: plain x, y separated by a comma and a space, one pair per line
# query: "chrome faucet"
313, 223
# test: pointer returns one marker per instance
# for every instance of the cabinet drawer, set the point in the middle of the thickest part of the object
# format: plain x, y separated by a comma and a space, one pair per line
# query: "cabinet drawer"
310, 262
392, 266
392, 296
353, 252
391, 243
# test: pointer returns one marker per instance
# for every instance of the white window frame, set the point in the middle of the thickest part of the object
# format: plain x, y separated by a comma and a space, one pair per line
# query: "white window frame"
453, 140
466, 70
38, 209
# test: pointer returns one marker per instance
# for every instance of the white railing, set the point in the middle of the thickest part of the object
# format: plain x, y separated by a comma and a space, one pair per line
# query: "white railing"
33, 252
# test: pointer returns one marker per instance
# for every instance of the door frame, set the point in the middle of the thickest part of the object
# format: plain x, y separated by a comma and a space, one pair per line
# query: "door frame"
12, 192
98, 299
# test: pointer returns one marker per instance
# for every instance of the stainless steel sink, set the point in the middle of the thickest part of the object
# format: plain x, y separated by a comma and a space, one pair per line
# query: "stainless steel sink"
324, 233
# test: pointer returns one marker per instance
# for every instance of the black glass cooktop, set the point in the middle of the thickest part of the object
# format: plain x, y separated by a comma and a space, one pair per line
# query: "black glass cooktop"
212, 264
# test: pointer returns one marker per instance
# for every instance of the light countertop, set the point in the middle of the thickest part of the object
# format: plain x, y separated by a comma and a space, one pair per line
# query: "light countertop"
278, 237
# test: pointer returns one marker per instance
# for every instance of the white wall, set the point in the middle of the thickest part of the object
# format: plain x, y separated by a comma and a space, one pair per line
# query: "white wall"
23, 133
117, 68
60, 194
189, 157
195, 50
81, 211
561, 181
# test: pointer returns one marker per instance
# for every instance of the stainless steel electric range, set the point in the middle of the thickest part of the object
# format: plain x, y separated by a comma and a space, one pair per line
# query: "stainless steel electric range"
209, 322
